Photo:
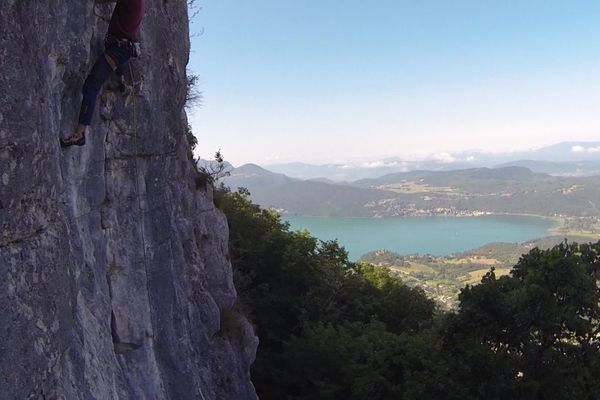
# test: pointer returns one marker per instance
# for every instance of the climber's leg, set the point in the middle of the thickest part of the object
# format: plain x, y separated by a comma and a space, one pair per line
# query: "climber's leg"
108, 62
120, 55
91, 88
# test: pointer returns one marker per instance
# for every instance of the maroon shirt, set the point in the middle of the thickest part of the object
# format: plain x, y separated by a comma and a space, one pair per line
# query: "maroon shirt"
127, 19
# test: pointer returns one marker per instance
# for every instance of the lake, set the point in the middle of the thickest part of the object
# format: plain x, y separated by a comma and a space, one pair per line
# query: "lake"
425, 235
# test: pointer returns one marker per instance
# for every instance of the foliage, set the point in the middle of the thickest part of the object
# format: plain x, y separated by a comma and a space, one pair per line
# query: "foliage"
332, 329
346, 361
298, 288
229, 321
442, 277
540, 326
191, 138
210, 172
193, 10
193, 95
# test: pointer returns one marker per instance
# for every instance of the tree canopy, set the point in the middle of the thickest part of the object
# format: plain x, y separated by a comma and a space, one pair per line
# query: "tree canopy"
333, 329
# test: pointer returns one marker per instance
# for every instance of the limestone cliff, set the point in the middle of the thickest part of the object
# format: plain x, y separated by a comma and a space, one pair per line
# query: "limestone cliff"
114, 270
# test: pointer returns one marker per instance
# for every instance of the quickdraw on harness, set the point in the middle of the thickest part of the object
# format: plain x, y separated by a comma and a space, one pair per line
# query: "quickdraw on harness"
133, 46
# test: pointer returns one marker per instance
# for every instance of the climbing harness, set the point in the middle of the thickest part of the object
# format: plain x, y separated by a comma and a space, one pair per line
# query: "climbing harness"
112, 40
133, 46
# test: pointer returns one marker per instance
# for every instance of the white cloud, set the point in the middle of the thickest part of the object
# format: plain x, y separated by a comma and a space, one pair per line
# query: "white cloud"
380, 164
444, 157
581, 149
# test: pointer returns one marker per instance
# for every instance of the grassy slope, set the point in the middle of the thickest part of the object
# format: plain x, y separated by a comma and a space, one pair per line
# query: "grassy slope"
443, 277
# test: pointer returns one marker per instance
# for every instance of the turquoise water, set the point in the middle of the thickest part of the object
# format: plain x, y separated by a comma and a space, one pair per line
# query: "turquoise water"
425, 235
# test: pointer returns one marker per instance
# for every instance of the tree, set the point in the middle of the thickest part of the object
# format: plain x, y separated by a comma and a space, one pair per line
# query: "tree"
350, 361
299, 290
535, 333
333, 329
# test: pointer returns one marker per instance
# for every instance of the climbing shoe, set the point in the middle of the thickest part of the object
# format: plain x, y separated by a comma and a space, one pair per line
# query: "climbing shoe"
73, 140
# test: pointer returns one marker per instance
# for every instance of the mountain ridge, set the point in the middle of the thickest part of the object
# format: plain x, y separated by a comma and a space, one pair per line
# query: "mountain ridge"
587, 153
473, 191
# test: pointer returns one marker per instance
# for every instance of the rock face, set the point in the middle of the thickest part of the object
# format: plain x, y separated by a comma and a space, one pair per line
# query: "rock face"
114, 271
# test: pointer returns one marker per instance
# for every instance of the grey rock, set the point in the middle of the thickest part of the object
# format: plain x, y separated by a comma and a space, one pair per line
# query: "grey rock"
114, 268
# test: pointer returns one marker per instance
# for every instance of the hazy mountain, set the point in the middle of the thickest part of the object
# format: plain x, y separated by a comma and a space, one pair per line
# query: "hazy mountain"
302, 197
474, 191
565, 152
574, 168
325, 180
567, 158
472, 179
355, 171
496, 190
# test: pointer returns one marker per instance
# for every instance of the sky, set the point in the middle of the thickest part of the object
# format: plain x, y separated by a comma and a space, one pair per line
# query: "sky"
325, 81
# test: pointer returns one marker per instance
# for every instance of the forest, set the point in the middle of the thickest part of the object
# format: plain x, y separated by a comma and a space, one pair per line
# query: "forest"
334, 329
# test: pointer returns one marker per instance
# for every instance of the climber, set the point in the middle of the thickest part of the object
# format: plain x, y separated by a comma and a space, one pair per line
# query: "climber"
120, 46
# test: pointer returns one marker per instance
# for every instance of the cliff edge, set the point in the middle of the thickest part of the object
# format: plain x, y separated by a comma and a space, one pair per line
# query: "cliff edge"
114, 266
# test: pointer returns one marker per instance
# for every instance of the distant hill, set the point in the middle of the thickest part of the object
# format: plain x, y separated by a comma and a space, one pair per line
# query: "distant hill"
467, 179
566, 152
302, 197
573, 168
566, 158
364, 170
495, 190
513, 190
325, 180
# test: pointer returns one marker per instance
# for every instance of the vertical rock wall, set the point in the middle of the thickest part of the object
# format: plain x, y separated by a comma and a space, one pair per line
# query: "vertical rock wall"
114, 271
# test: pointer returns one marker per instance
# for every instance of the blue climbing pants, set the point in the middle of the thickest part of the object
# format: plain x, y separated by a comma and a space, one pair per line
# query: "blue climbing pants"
100, 73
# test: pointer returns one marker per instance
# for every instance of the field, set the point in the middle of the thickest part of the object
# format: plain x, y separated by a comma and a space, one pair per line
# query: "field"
577, 226
442, 278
